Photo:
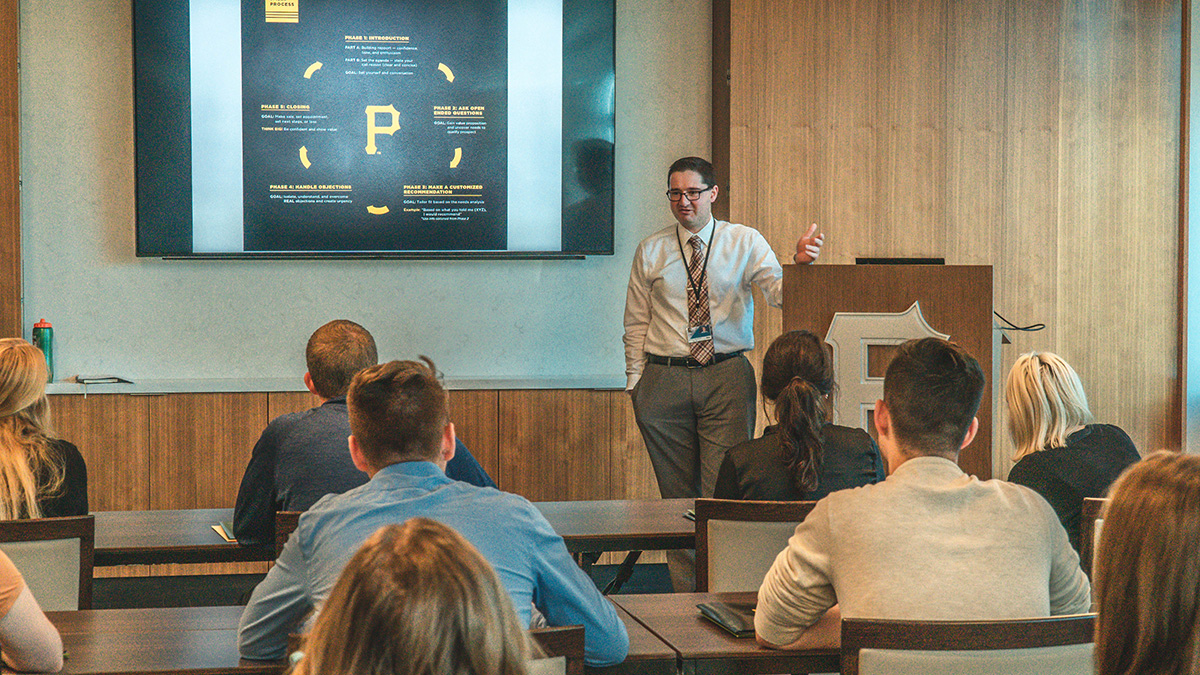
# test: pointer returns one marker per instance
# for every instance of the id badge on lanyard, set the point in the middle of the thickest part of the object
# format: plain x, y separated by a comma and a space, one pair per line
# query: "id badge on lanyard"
699, 333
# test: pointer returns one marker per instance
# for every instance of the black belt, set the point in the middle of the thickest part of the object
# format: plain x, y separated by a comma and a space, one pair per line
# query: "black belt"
688, 361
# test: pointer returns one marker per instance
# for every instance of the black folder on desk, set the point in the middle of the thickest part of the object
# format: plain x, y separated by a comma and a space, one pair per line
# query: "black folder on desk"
737, 619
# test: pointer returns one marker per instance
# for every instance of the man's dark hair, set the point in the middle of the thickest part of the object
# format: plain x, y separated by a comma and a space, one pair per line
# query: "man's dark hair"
398, 412
708, 174
335, 352
932, 390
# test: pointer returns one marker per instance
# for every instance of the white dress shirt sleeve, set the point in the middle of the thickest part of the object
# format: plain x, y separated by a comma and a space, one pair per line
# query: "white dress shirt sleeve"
637, 320
764, 270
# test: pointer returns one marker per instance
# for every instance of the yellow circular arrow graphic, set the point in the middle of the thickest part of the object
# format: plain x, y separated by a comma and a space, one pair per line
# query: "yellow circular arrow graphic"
377, 210
304, 157
457, 158
446, 71
312, 69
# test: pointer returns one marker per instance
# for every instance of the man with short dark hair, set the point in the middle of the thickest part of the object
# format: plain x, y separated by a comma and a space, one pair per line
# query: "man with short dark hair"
689, 316
402, 438
930, 542
302, 457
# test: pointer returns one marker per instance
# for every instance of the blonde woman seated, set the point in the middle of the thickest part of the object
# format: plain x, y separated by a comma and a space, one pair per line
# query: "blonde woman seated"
28, 640
1060, 455
45, 477
1147, 570
417, 599
804, 456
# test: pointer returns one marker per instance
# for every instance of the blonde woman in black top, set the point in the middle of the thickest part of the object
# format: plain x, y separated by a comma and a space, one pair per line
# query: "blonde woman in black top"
803, 456
43, 477
1060, 454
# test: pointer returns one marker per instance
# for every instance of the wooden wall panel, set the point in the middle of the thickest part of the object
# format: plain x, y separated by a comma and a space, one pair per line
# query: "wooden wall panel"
631, 475
111, 433
555, 445
975, 117
1040, 137
1119, 192
284, 402
199, 446
172, 570
475, 417
10, 190
1026, 255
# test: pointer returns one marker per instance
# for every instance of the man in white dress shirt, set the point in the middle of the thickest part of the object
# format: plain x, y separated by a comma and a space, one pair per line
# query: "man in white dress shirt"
689, 316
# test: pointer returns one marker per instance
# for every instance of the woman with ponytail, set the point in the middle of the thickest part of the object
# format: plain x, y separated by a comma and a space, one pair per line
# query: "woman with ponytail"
40, 477
802, 456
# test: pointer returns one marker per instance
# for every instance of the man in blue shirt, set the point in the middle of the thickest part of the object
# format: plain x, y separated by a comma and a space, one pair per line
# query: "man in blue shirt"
302, 456
402, 438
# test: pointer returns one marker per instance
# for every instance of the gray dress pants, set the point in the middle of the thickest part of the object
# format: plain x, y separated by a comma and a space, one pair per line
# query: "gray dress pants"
688, 418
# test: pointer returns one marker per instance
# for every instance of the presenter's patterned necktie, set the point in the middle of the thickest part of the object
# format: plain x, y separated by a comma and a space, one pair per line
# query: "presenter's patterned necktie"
697, 295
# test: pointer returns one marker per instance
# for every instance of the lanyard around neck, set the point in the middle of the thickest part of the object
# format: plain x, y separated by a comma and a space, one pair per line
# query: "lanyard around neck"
695, 283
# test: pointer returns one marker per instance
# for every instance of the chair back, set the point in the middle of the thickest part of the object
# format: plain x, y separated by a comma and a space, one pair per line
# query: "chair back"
563, 646
56, 556
285, 525
737, 541
1060, 645
1090, 520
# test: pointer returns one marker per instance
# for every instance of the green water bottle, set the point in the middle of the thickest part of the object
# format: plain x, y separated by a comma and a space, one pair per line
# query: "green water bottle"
43, 339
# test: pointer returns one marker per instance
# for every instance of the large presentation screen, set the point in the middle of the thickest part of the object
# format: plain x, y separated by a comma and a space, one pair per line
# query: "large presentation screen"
359, 127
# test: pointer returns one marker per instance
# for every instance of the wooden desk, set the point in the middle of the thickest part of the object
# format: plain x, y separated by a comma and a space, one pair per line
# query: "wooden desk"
159, 537
622, 525
703, 648
648, 655
186, 536
200, 640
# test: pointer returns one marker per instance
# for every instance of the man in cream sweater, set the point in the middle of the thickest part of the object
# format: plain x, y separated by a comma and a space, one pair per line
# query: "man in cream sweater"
930, 542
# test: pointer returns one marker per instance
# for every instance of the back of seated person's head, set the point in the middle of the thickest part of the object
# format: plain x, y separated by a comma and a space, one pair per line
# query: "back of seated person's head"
417, 599
932, 391
1147, 570
797, 376
335, 352
398, 412
27, 467
1045, 402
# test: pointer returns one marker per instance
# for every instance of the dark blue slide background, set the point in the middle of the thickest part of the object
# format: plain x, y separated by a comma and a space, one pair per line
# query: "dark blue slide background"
468, 36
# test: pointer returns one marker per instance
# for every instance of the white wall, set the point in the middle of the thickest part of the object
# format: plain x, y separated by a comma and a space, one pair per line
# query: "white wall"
154, 319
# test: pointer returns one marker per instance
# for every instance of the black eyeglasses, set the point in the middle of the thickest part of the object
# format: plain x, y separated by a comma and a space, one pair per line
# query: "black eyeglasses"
692, 194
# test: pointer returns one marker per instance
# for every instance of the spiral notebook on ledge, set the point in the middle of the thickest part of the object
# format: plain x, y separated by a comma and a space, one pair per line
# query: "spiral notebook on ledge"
98, 379
735, 618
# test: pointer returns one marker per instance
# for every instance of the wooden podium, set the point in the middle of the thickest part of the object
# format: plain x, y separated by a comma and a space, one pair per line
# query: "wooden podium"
954, 299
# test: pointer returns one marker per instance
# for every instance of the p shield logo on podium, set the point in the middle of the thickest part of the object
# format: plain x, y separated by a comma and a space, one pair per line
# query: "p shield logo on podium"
863, 344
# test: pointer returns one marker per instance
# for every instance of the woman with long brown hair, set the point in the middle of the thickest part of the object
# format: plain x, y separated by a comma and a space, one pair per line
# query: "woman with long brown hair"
1147, 570
803, 456
417, 599
40, 476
